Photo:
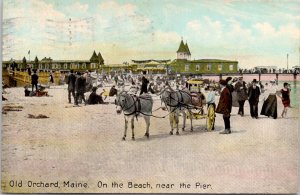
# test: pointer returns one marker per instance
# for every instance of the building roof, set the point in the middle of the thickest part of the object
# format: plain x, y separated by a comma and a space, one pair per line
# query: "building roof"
267, 67
182, 47
212, 60
149, 61
94, 58
100, 58
187, 48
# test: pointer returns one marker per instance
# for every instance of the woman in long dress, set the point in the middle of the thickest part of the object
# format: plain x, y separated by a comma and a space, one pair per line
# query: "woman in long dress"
269, 107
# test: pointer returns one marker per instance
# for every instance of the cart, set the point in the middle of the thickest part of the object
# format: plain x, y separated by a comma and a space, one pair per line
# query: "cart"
194, 86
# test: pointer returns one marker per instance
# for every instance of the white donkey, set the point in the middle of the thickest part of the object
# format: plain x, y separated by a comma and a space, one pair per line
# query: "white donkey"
134, 106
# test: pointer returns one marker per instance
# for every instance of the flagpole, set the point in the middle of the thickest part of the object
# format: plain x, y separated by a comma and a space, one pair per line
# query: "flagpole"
29, 55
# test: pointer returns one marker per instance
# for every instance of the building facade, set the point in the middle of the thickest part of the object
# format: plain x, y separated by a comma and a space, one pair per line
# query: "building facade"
48, 64
182, 65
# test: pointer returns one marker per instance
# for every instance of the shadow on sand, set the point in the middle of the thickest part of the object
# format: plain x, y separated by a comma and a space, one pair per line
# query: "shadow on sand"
187, 132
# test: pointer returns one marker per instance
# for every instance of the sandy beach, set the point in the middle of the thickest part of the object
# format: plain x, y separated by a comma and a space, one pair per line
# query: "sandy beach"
83, 145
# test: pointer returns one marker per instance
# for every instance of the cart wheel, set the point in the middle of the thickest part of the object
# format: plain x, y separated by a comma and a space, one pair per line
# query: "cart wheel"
210, 120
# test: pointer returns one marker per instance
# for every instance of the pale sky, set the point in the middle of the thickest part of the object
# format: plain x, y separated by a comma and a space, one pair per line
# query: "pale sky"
252, 32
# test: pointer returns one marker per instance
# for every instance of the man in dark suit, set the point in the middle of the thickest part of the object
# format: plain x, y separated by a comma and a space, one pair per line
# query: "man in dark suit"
34, 80
71, 85
253, 96
144, 85
225, 105
79, 88
242, 96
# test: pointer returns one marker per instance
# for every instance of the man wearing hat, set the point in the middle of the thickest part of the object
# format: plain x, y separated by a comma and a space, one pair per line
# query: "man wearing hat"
144, 86
225, 105
253, 96
79, 88
229, 84
71, 85
242, 96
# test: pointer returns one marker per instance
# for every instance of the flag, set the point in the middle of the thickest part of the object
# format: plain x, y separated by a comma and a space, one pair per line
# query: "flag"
29, 52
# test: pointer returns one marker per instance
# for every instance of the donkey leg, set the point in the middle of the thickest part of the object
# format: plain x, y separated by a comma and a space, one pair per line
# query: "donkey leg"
184, 120
177, 122
171, 119
126, 125
191, 118
147, 120
132, 127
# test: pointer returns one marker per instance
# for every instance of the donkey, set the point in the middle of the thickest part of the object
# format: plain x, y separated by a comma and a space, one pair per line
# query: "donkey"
177, 102
134, 106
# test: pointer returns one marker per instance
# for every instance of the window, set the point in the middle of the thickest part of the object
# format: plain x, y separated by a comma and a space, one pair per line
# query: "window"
93, 65
73, 66
84, 65
65, 66
209, 67
187, 67
220, 66
197, 67
231, 67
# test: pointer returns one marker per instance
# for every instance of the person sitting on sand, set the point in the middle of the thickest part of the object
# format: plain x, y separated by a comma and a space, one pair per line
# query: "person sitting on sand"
113, 91
27, 92
94, 98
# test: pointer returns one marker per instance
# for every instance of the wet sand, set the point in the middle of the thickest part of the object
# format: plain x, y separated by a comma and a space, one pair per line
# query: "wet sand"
83, 145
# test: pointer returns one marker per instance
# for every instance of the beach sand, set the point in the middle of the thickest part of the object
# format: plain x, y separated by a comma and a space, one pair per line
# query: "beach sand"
83, 144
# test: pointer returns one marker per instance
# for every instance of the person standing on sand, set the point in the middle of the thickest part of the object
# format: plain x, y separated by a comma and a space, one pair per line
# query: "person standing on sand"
269, 107
241, 89
51, 79
211, 99
144, 85
79, 88
34, 80
253, 95
229, 84
285, 98
224, 106
71, 85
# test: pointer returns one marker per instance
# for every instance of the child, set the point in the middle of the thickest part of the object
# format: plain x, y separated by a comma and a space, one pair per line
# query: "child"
285, 97
211, 99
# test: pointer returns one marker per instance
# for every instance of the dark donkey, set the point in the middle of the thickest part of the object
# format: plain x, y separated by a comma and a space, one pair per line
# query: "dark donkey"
177, 102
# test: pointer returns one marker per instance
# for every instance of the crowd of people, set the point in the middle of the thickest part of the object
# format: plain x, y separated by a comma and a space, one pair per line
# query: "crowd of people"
232, 91
251, 92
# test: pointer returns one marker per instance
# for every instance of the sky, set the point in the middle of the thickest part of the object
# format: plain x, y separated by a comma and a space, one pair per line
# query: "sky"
253, 32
